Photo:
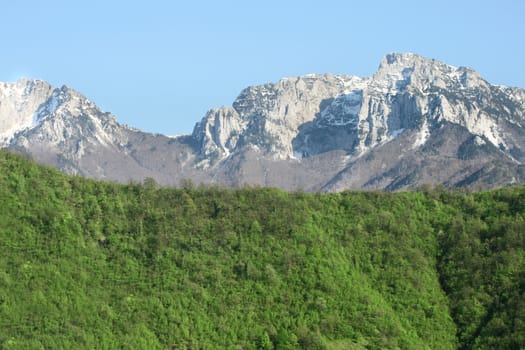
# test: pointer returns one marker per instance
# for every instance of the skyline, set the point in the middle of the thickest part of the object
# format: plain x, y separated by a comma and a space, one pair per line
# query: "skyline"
160, 67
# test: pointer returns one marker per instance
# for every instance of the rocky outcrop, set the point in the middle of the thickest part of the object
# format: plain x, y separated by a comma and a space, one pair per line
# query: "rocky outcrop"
19, 103
310, 115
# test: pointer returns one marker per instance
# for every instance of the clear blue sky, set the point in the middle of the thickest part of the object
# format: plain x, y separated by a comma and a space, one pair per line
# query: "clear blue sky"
160, 65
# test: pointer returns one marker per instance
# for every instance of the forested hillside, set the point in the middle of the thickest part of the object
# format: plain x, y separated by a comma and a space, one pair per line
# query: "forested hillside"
95, 265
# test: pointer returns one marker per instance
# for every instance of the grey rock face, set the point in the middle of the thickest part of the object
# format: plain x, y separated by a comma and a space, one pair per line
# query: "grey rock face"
268, 116
310, 115
414, 121
18, 105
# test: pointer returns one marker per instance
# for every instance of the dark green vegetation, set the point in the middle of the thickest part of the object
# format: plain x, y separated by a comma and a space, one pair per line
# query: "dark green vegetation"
87, 264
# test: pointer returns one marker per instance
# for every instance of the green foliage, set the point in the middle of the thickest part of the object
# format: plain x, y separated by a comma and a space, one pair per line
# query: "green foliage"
86, 264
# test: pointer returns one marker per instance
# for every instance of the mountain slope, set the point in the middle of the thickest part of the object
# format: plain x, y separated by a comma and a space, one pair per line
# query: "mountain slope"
87, 264
415, 121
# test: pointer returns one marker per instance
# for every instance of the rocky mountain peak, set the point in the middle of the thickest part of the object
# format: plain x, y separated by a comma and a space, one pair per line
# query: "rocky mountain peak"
27, 104
399, 71
303, 116
19, 102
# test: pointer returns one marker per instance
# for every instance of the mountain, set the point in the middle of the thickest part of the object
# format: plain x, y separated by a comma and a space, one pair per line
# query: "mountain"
60, 127
415, 121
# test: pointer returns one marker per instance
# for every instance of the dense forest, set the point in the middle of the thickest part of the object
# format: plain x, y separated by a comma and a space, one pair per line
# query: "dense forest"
97, 265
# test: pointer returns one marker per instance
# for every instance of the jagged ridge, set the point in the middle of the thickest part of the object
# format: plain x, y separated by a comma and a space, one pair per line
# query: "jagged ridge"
407, 92
416, 120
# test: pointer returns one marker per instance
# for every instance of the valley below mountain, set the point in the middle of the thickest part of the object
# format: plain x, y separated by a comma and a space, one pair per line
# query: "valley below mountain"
415, 121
